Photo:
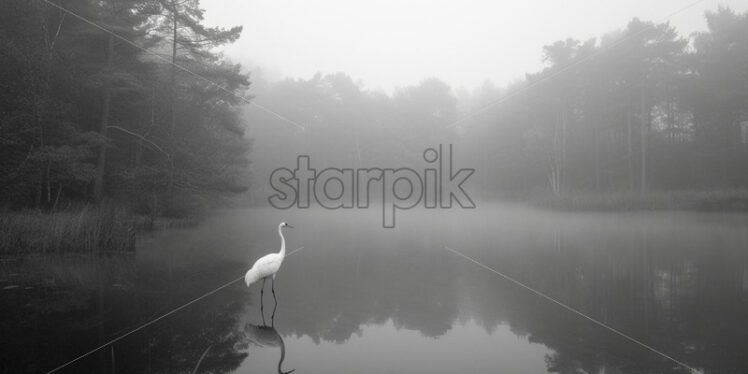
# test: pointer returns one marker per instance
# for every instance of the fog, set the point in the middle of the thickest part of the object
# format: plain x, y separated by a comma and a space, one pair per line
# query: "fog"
390, 43
427, 186
644, 108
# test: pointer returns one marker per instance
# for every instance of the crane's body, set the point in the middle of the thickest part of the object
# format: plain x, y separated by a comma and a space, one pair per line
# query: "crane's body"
268, 265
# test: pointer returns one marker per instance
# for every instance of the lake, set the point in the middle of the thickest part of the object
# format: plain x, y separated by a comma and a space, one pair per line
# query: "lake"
359, 298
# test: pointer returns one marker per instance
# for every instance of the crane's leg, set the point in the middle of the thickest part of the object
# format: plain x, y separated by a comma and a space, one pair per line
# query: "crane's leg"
262, 306
272, 287
272, 316
262, 313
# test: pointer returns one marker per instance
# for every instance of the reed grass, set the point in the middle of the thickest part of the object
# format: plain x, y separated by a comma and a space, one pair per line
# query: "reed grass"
84, 229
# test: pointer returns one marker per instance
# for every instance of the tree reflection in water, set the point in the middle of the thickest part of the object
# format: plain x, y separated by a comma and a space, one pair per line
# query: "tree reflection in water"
76, 305
680, 285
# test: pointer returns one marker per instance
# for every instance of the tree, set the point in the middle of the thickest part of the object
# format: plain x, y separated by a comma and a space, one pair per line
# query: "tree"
127, 18
87, 115
716, 92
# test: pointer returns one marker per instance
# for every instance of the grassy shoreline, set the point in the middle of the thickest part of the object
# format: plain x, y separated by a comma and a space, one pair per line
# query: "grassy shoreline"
111, 226
86, 229
83, 229
706, 201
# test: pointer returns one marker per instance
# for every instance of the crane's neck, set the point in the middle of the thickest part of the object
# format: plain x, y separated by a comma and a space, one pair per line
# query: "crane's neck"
283, 242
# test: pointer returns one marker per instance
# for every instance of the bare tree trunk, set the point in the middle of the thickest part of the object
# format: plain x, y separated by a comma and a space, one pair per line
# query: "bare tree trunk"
49, 186
57, 198
553, 177
42, 98
101, 164
564, 166
138, 151
596, 137
644, 139
358, 151
175, 29
146, 132
671, 117
629, 145
174, 67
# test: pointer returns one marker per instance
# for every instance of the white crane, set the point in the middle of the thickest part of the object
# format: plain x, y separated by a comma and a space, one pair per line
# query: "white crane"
268, 265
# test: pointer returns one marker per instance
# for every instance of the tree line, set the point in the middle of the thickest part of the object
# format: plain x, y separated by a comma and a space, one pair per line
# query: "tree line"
144, 113
86, 115
639, 109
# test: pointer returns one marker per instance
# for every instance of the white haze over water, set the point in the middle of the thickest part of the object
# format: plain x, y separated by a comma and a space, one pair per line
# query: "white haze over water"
390, 43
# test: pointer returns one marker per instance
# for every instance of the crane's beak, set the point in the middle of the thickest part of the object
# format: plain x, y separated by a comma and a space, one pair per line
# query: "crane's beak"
289, 226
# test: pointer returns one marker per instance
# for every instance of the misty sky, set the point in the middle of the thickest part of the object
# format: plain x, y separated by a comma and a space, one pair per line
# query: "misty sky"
390, 43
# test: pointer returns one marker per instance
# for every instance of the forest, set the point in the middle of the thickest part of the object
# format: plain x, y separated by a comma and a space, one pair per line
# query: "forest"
639, 112
88, 116
132, 102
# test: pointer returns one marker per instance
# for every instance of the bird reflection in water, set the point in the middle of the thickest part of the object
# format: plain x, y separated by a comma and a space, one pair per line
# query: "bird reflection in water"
267, 336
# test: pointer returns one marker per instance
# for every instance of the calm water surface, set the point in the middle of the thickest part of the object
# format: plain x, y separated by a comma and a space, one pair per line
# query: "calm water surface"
362, 299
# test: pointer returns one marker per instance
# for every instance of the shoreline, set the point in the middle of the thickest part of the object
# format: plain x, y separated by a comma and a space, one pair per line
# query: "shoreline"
87, 229
693, 201
113, 228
